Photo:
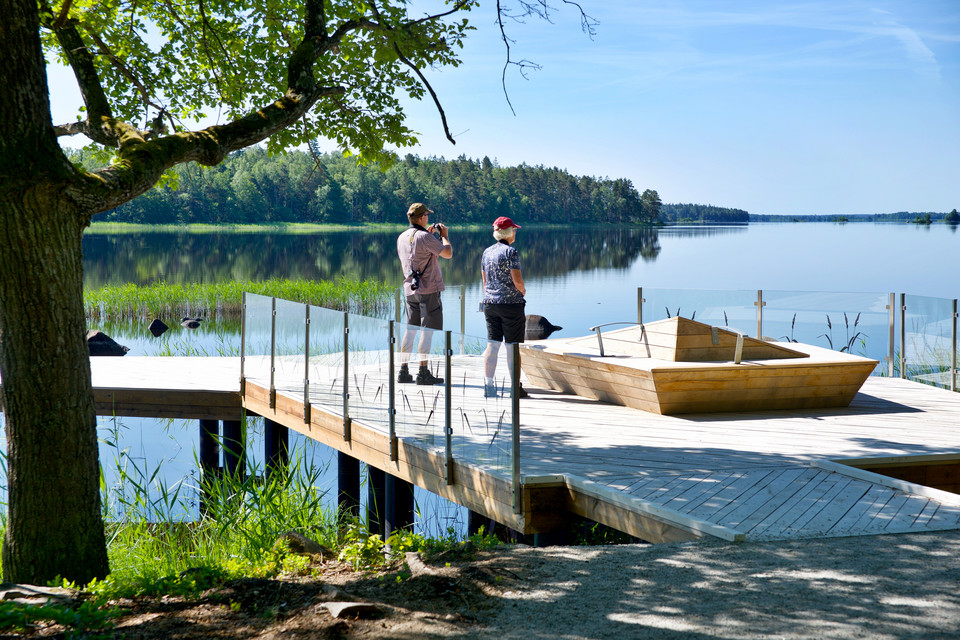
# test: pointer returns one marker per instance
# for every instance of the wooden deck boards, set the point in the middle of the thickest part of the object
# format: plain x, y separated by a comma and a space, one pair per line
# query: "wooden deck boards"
753, 473
760, 475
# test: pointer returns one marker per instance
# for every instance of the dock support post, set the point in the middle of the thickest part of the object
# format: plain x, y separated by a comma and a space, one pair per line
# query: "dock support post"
551, 539
234, 460
209, 457
399, 505
276, 447
476, 521
348, 483
640, 302
376, 500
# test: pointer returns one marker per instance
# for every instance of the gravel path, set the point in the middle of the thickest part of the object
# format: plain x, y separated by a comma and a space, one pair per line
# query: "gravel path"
878, 587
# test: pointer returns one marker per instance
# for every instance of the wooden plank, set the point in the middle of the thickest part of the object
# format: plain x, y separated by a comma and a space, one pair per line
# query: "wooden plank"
944, 497
907, 515
670, 516
839, 505
722, 494
767, 498
871, 502
884, 516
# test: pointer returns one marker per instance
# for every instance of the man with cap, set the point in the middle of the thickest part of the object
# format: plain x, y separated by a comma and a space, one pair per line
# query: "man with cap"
419, 250
503, 300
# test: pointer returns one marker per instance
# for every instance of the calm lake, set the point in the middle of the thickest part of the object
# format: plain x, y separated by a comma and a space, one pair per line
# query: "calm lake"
577, 278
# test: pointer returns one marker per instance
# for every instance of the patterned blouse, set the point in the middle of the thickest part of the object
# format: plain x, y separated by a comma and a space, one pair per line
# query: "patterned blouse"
496, 263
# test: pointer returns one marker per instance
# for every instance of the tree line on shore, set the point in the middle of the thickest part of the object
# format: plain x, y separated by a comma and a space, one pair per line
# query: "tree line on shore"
913, 217
253, 187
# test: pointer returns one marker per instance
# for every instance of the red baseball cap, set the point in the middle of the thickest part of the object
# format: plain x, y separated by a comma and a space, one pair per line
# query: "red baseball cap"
503, 222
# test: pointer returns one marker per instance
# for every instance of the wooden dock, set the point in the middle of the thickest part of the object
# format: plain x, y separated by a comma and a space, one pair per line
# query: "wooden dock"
750, 476
166, 387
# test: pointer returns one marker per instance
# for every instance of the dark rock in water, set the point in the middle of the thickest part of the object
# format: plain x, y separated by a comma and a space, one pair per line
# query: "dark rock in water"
539, 328
190, 323
158, 327
100, 344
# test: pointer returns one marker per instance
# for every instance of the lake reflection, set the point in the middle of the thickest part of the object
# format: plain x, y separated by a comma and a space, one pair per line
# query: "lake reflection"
145, 258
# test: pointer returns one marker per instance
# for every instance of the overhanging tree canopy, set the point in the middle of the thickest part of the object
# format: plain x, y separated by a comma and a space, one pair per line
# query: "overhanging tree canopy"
284, 71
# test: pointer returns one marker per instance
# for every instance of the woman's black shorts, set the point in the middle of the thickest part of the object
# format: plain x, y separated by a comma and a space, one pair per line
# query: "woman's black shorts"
505, 322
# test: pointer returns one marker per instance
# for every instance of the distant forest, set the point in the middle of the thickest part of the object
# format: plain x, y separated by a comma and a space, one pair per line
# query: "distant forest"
922, 217
702, 213
253, 187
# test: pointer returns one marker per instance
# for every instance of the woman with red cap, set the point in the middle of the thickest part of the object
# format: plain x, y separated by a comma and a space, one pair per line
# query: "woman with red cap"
503, 300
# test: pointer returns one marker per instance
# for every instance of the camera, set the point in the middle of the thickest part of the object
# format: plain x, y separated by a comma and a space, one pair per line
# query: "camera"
415, 282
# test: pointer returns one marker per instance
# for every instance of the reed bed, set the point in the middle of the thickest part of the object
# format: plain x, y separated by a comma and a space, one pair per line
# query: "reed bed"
224, 299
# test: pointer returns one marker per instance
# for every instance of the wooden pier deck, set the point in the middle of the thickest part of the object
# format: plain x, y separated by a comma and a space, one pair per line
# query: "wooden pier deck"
749, 476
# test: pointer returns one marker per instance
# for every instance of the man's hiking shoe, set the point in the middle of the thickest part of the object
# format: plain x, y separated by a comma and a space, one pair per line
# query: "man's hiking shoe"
522, 393
404, 376
425, 377
489, 390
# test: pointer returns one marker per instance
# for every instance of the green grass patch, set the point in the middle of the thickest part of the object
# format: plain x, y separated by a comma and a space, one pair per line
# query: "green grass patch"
224, 299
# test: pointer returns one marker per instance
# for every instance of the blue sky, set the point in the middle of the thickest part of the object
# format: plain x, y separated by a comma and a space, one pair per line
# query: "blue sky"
833, 107
773, 107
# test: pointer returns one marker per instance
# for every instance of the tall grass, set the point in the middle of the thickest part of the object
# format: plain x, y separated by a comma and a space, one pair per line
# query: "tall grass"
158, 544
225, 298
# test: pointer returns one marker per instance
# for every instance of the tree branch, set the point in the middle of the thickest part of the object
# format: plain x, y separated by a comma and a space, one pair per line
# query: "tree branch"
433, 94
81, 61
127, 72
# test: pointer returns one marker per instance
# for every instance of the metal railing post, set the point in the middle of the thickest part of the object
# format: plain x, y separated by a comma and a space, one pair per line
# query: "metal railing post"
447, 414
953, 349
893, 322
515, 402
391, 395
903, 335
463, 317
243, 344
760, 305
273, 352
306, 365
346, 377
640, 302
396, 304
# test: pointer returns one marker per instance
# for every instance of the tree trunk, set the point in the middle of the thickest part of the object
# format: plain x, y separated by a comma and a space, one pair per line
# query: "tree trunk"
54, 525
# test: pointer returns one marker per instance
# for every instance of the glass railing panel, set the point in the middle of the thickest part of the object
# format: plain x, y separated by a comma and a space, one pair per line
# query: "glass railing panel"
290, 337
481, 416
369, 371
928, 339
326, 372
458, 303
257, 329
733, 308
857, 323
420, 407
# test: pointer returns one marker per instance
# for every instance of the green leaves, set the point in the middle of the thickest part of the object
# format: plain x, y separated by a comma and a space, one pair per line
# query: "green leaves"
181, 59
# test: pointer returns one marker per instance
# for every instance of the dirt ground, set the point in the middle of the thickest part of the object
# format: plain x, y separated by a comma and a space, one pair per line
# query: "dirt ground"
883, 587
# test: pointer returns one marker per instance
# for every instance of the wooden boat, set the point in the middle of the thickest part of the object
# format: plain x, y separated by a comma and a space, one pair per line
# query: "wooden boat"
679, 365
